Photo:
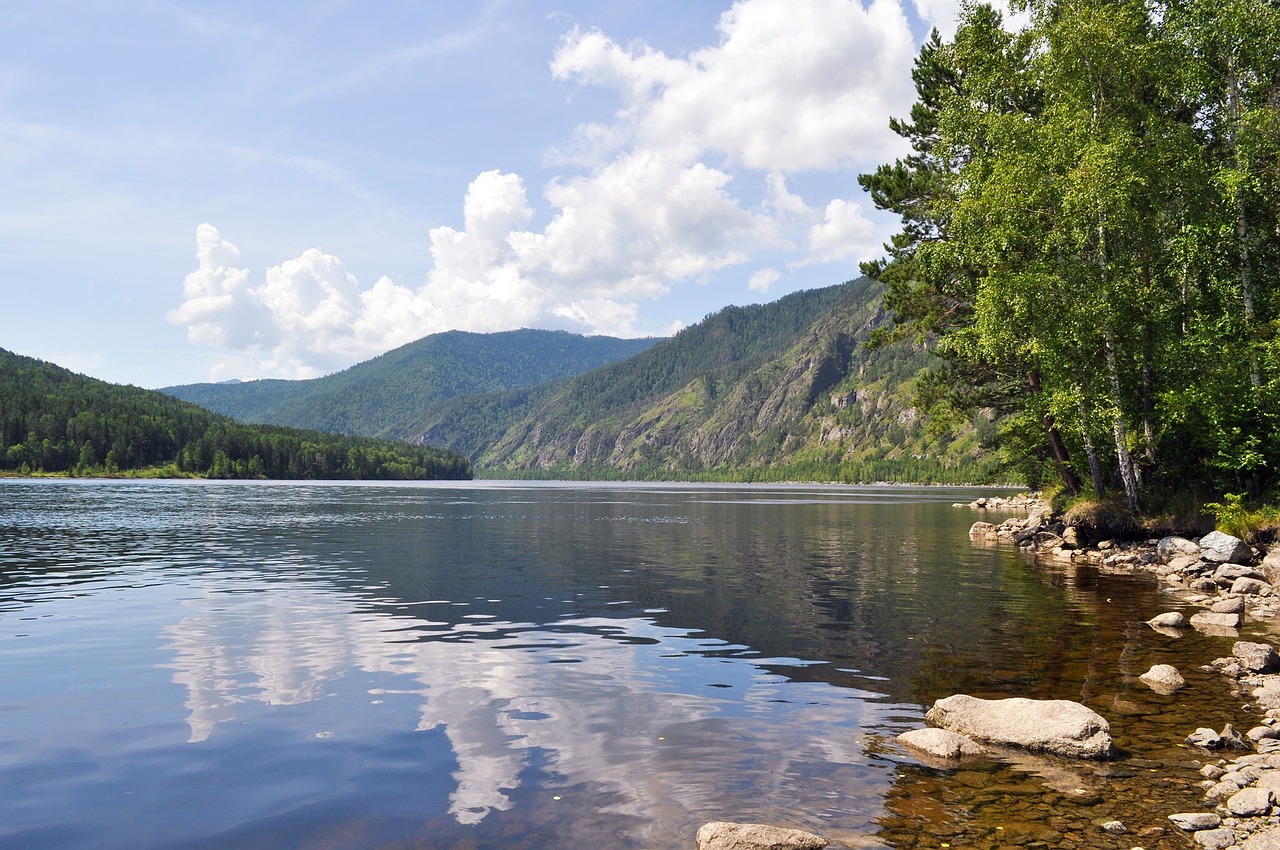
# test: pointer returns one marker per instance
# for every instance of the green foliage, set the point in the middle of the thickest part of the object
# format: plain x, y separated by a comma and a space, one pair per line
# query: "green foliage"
52, 420
1088, 235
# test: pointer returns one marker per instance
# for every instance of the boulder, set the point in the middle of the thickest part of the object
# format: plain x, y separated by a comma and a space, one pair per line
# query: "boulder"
1270, 566
1171, 547
1267, 838
1219, 547
1224, 574
1168, 620
941, 743
722, 835
1163, 679
1256, 657
982, 530
1205, 737
1060, 727
1215, 839
1228, 605
1250, 802
1208, 621
1047, 540
1196, 821
1250, 586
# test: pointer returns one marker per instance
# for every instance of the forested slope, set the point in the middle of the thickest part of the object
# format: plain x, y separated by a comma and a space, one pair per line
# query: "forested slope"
774, 391
53, 420
379, 396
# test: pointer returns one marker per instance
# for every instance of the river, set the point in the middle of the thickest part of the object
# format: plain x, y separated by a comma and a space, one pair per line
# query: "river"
471, 665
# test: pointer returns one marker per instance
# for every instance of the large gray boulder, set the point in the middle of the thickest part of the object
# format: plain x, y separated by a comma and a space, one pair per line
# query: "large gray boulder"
1256, 657
1171, 547
1219, 547
723, 835
1058, 726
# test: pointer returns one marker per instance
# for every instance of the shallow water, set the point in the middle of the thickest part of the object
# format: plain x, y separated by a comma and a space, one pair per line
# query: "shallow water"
490, 665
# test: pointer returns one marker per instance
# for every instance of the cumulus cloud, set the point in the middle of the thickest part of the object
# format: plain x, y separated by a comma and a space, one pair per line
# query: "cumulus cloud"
688, 180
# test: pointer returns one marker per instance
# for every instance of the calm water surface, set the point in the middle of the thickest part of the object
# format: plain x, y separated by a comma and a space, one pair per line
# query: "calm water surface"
490, 665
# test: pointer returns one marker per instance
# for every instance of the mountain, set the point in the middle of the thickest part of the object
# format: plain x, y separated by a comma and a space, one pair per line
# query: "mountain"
53, 420
787, 390
376, 397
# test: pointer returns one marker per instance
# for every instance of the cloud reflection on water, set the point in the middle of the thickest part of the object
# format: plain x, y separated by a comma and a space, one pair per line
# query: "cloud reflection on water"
659, 715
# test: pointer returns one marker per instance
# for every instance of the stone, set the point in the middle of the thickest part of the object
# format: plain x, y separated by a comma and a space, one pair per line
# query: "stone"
1168, 620
1250, 802
1230, 739
1047, 540
1115, 827
1264, 839
1188, 563
1196, 821
941, 743
1270, 566
1162, 678
1212, 772
1225, 574
1071, 537
1269, 779
1221, 548
1060, 727
1228, 605
982, 530
723, 835
1204, 737
1215, 839
1250, 586
1208, 621
1261, 733
1256, 657
1171, 547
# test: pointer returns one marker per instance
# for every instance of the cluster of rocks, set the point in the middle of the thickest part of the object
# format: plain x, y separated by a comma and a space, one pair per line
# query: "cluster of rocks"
1021, 502
1244, 790
1219, 572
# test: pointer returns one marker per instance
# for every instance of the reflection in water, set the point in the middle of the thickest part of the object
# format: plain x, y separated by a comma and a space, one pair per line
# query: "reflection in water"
480, 665
620, 703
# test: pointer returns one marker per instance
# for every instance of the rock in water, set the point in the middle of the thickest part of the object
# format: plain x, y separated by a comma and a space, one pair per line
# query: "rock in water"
941, 743
1162, 678
1056, 726
1221, 548
1168, 620
722, 835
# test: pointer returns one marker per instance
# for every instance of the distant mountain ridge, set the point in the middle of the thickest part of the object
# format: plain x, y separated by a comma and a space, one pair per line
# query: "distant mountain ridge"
787, 390
377, 397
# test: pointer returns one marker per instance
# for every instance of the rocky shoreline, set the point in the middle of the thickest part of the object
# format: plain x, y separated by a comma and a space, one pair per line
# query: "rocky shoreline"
1230, 581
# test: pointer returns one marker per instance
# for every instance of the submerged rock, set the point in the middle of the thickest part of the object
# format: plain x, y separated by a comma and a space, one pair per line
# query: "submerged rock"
1060, 727
723, 835
1195, 821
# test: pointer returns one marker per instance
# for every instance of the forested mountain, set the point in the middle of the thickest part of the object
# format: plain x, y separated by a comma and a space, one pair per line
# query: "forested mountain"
375, 398
774, 391
53, 420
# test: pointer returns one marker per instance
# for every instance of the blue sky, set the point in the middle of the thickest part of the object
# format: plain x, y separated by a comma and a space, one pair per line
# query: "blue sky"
194, 192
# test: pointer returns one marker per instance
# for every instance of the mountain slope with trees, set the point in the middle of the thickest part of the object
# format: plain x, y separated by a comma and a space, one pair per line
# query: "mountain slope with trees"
55, 421
766, 392
376, 397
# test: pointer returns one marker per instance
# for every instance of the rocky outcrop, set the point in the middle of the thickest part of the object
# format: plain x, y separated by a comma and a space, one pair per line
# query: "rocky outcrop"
723, 835
1059, 727
1223, 548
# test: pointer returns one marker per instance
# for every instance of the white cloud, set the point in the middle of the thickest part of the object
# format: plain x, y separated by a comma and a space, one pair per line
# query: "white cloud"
843, 232
650, 201
763, 279
791, 85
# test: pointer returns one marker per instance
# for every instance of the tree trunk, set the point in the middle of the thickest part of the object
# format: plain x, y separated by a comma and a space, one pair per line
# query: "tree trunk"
1057, 448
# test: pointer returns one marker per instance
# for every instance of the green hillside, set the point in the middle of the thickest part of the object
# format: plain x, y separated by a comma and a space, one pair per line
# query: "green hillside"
377, 397
55, 421
786, 390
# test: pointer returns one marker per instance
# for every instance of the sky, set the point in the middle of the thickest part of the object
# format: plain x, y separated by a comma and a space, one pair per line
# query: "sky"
205, 191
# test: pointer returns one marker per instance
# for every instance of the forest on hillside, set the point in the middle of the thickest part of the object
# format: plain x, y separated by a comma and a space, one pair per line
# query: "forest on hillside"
55, 421
1090, 240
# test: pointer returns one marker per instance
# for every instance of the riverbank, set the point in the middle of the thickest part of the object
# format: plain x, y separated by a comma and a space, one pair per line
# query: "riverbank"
1234, 584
